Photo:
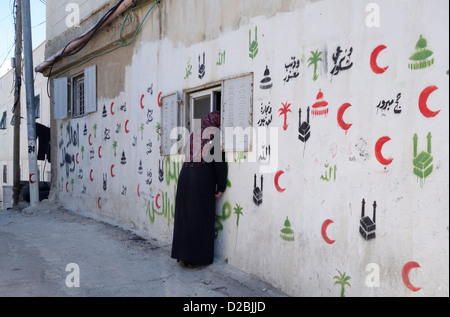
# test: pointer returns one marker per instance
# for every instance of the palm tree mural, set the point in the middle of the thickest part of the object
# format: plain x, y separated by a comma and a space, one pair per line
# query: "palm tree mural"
61, 127
238, 212
114, 145
342, 279
95, 130
314, 60
141, 128
72, 181
82, 152
284, 111
158, 129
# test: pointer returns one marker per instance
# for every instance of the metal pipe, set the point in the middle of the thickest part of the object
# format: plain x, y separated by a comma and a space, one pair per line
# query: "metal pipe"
125, 5
31, 115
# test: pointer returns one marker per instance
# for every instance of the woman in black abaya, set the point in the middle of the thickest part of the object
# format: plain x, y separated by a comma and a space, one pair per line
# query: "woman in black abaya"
200, 183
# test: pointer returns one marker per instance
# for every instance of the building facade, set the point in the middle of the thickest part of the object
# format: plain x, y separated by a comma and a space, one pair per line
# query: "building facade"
337, 142
42, 103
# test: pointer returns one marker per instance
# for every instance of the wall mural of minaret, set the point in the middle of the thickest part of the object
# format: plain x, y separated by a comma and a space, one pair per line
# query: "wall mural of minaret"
257, 192
422, 162
123, 159
287, 233
266, 82
161, 171
367, 226
201, 67
304, 128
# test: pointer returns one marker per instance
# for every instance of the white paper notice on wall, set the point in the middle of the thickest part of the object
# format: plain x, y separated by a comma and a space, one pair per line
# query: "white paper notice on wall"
169, 120
237, 113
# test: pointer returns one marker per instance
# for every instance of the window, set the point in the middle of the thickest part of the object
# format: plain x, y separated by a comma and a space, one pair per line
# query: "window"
202, 103
79, 96
5, 174
3, 121
233, 97
37, 106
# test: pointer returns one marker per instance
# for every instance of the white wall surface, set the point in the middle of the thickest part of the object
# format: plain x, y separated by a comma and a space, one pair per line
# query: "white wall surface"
63, 15
412, 213
7, 136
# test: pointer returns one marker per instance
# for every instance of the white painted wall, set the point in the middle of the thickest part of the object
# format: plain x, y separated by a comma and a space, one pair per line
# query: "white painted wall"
68, 14
412, 214
7, 136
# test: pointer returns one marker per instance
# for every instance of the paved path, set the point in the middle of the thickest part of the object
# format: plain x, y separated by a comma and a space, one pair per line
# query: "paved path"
36, 245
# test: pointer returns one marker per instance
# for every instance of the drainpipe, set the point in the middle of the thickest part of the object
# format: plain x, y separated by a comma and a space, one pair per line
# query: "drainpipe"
125, 5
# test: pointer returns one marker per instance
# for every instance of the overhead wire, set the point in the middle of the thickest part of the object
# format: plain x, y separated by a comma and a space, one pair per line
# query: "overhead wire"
93, 32
7, 55
38, 24
14, 18
2, 19
121, 43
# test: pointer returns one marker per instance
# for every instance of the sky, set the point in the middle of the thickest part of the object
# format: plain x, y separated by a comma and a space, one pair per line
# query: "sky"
7, 30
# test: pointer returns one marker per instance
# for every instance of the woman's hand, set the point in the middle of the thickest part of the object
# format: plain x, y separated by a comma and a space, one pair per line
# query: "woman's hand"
218, 195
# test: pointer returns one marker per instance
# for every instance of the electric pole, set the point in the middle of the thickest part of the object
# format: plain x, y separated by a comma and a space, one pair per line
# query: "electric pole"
31, 114
18, 82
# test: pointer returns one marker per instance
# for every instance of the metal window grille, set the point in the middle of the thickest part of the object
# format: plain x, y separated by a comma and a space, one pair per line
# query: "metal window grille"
78, 96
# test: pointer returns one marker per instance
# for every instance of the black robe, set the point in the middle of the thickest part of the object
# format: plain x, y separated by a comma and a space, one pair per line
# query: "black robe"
195, 211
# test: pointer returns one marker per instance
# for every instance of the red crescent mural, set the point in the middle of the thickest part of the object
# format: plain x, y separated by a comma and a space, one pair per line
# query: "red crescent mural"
67, 186
89, 139
142, 98
138, 193
156, 201
340, 117
423, 99
405, 275
276, 179
126, 126
31, 178
112, 111
379, 148
112, 173
99, 149
98, 202
90, 175
76, 159
373, 60
159, 99
325, 225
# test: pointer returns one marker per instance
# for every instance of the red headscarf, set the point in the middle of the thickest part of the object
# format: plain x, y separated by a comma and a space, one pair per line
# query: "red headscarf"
198, 145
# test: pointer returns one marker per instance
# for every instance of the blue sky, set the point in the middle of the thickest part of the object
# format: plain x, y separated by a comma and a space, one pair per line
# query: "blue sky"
7, 29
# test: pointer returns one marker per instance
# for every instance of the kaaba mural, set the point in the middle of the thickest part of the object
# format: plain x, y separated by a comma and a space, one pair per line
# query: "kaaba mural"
367, 226
257, 192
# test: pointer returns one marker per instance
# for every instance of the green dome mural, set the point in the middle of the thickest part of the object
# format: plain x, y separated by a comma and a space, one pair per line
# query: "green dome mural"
287, 233
420, 57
